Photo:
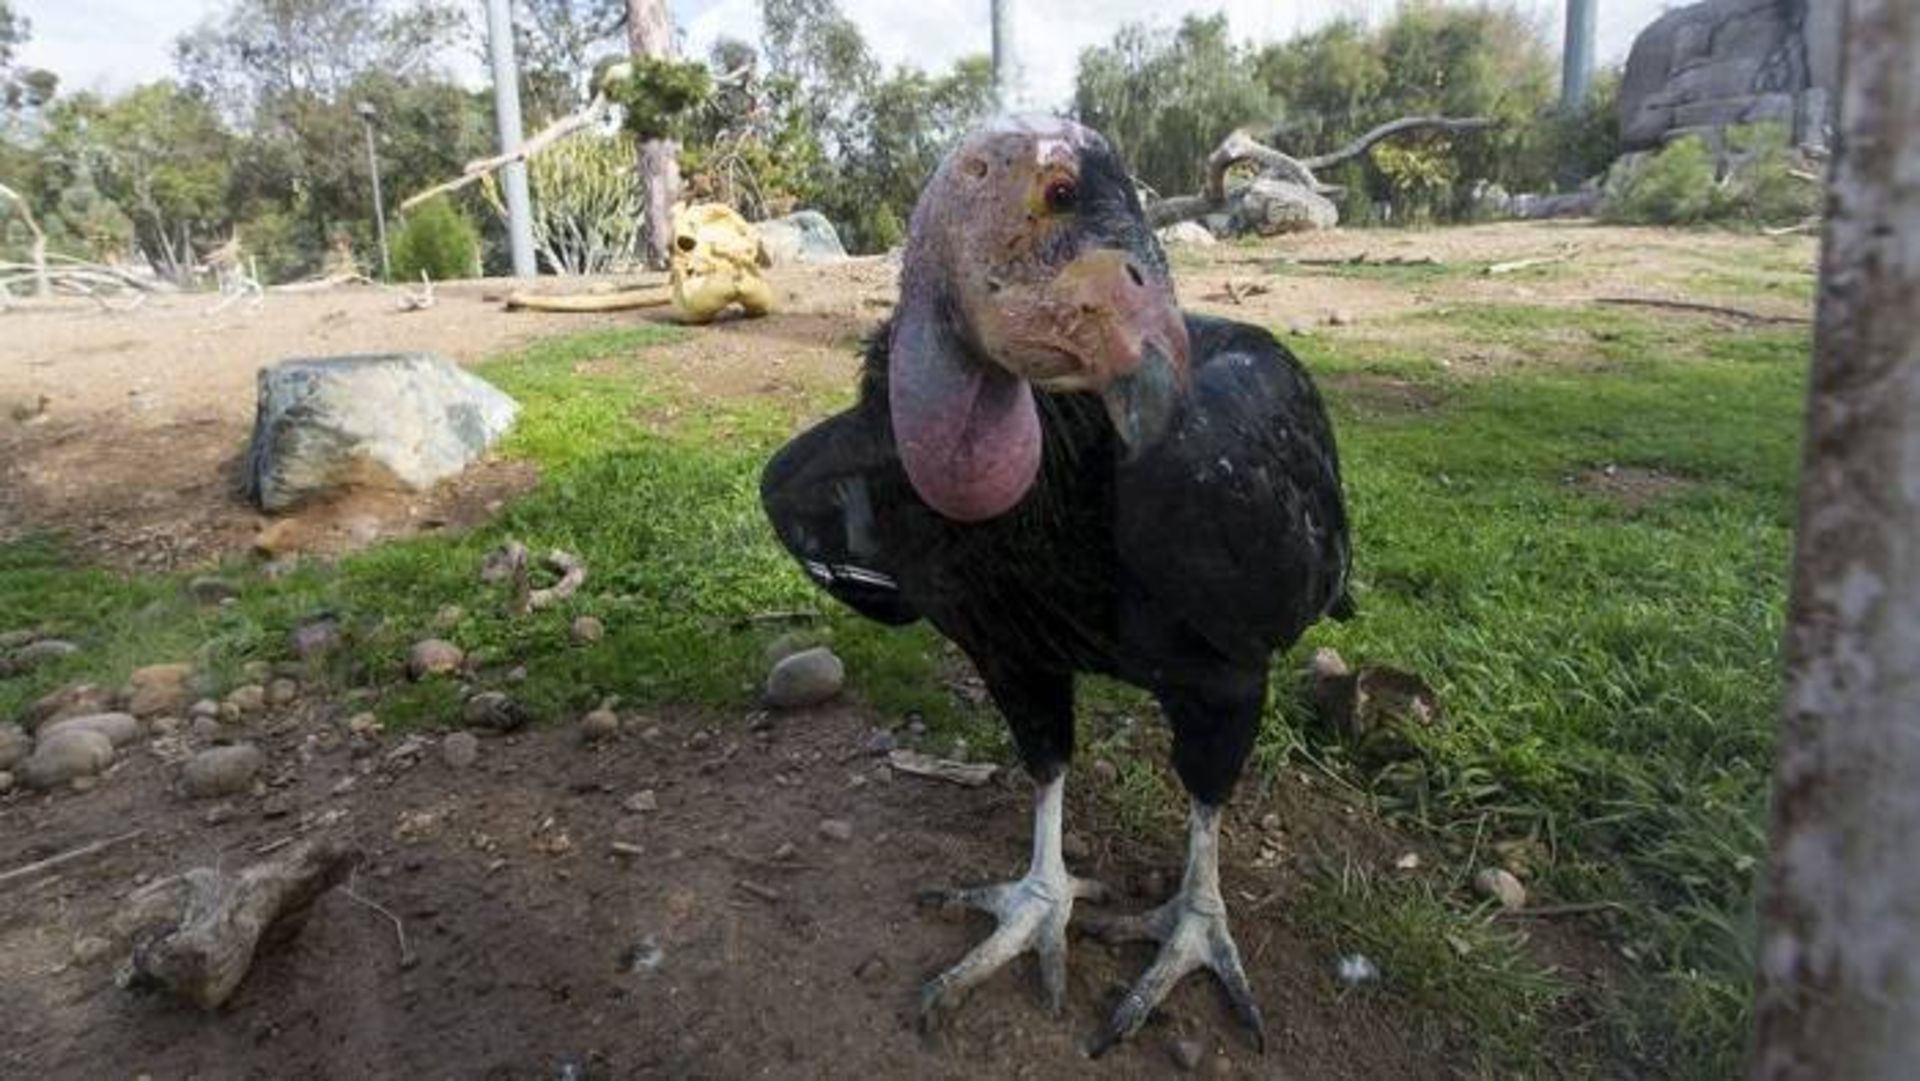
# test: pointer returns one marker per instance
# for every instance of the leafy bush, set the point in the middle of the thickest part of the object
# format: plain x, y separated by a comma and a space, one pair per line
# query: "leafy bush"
1751, 182
588, 208
437, 241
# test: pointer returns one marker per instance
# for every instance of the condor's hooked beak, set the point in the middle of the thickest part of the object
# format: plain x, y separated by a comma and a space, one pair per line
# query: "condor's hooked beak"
1129, 336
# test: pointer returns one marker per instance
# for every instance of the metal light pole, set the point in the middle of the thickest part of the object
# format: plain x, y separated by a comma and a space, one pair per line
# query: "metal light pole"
1006, 71
367, 114
506, 112
1576, 63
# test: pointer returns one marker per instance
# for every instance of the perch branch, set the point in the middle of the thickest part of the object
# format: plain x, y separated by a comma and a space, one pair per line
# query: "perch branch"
551, 134
41, 286
1397, 127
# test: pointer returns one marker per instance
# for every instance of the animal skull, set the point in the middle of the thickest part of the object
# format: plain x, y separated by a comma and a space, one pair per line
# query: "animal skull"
716, 262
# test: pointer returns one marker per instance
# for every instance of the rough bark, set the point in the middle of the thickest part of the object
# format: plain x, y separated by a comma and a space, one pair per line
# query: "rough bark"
1839, 950
650, 34
196, 934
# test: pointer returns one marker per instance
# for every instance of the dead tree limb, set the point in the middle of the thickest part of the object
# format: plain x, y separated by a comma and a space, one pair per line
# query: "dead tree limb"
1240, 148
53, 863
196, 934
552, 133
42, 287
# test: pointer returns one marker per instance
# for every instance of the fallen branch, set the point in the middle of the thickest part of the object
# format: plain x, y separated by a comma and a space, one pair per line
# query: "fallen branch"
1515, 265
196, 934
51, 863
552, 133
617, 301
411, 301
316, 284
407, 957
1809, 225
970, 774
1707, 309
1398, 127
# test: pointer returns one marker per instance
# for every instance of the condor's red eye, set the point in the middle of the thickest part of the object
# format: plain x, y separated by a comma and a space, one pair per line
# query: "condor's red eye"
1062, 196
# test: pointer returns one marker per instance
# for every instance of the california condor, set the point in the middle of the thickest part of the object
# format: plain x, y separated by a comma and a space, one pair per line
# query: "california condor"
1064, 474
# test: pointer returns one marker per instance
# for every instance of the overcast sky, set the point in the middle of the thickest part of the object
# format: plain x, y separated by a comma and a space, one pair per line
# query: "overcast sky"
114, 44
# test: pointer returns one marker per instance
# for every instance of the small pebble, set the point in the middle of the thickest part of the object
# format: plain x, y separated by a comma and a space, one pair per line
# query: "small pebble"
363, 724
211, 590
599, 724
1499, 884
517, 674
165, 726
806, 678
250, 698
6, 782
460, 749
1186, 1054
434, 657
880, 741
448, 617
282, 692
1105, 772
315, 638
642, 801
1074, 846
587, 630
495, 711
872, 970
206, 707
836, 829
90, 949
1357, 968
222, 771
1340, 317
159, 688
204, 729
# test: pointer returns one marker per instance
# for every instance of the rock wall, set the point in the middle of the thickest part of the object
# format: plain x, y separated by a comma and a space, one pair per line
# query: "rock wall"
1700, 68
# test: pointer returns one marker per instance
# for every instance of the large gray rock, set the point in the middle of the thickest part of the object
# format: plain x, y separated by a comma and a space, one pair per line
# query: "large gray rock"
406, 420
804, 236
1725, 62
119, 728
1269, 207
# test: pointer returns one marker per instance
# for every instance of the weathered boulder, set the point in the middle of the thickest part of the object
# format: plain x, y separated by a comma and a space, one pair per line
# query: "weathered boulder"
805, 236
1186, 232
405, 420
64, 756
1269, 207
119, 728
1723, 62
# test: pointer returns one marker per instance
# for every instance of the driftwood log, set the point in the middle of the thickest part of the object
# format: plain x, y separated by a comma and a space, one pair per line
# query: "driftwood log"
1239, 147
196, 934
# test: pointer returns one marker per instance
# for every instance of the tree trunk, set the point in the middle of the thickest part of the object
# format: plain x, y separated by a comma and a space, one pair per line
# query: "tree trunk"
650, 34
1839, 950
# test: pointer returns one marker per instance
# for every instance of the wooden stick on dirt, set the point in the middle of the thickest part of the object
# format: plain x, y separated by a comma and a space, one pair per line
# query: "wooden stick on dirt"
1707, 309
1496, 269
621, 300
51, 863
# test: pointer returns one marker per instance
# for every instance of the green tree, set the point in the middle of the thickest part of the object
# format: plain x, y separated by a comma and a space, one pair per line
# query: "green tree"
438, 242
558, 44
1166, 100
158, 154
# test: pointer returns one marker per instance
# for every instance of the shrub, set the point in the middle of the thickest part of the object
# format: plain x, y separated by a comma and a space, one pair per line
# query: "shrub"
1751, 181
438, 241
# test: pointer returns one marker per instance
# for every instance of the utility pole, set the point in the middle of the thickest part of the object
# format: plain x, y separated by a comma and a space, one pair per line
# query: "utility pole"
1839, 949
1576, 56
650, 35
506, 113
367, 115
1006, 63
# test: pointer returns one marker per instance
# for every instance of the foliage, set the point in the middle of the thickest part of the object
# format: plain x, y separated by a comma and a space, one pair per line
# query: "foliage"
1167, 99
20, 88
436, 241
751, 146
656, 95
156, 157
559, 44
588, 211
1686, 183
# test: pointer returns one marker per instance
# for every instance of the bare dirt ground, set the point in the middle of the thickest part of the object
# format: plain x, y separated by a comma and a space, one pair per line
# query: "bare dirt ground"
715, 952
124, 429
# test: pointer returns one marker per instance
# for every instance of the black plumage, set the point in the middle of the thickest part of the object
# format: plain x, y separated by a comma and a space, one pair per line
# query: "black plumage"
1180, 571
1172, 518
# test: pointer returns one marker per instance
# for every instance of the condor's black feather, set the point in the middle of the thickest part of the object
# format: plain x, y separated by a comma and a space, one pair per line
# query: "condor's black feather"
1180, 571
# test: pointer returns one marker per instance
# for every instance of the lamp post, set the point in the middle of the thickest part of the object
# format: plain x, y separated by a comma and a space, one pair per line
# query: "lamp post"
367, 114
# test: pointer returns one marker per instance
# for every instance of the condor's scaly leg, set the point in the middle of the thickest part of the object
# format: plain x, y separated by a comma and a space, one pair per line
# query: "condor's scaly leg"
1213, 731
1032, 911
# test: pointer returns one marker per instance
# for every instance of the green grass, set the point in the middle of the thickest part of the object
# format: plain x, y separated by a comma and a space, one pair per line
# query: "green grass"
1608, 672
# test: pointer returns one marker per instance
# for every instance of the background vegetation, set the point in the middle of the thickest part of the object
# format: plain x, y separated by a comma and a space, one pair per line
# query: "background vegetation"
258, 133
